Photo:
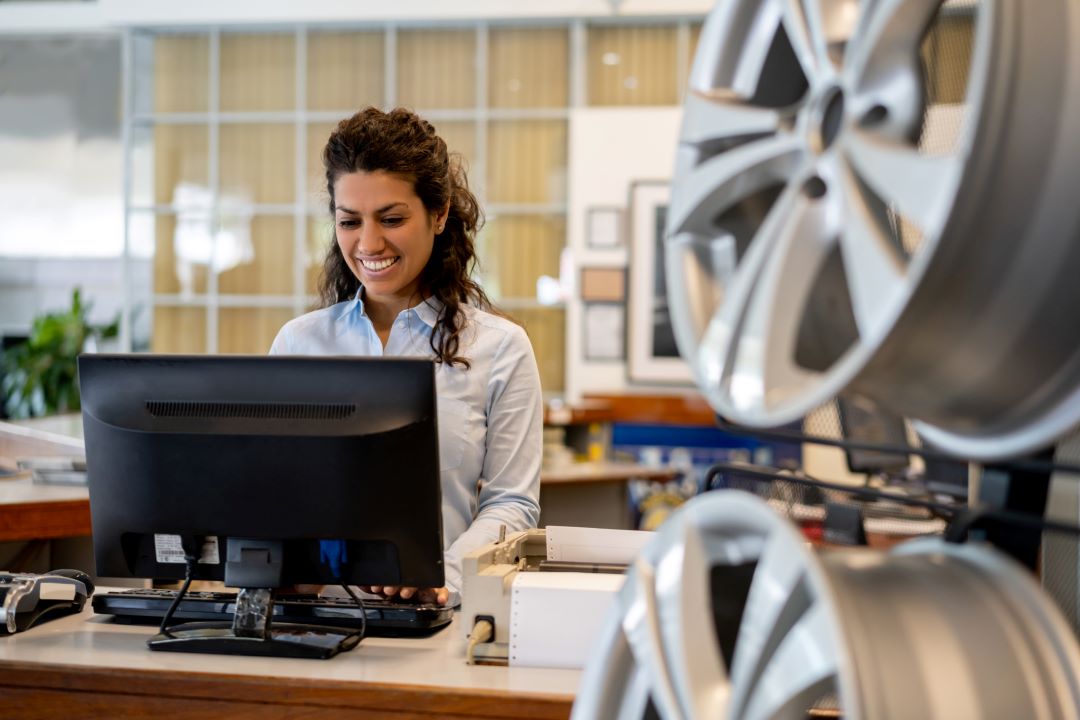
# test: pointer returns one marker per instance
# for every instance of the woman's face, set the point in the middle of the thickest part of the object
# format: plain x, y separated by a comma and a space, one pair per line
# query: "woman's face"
384, 233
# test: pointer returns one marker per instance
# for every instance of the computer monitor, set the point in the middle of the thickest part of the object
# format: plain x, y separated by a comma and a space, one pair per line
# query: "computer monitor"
862, 421
279, 470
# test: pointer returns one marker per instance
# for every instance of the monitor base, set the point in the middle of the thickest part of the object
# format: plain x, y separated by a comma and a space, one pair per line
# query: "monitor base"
284, 640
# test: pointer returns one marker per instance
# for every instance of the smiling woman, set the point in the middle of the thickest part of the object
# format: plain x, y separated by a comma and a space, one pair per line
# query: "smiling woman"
396, 281
385, 235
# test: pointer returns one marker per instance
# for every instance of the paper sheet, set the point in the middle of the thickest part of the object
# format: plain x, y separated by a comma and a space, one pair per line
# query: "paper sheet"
599, 545
555, 618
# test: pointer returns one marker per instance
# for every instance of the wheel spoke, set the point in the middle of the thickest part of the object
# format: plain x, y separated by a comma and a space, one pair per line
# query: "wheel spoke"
682, 580
918, 186
723, 64
698, 269
644, 637
635, 699
712, 118
805, 27
719, 345
764, 368
887, 36
722, 181
873, 265
802, 669
777, 598
607, 683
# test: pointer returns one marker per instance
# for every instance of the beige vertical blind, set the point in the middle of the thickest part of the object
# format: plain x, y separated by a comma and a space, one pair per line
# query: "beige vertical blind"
632, 65
315, 188
179, 330
527, 68
460, 138
258, 72
180, 156
249, 330
257, 163
518, 249
547, 331
436, 69
345, 70
946, 53
320, 237
180, 269
181, 73
527, 161
263, 250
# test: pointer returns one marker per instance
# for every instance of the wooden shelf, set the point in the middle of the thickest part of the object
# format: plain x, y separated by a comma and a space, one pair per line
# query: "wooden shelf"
689, 409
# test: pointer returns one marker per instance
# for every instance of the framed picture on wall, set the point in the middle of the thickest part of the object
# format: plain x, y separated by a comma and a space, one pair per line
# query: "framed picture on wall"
604, 227
603, 284
603, 331
603, 292
652, 356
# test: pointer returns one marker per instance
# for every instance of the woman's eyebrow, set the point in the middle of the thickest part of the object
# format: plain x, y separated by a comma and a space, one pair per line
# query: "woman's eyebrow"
385, 208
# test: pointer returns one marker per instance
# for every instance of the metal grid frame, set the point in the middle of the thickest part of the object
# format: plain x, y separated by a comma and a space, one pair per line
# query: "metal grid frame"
481, 115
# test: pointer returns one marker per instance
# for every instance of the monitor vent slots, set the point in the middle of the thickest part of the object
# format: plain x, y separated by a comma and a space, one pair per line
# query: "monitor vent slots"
282, 411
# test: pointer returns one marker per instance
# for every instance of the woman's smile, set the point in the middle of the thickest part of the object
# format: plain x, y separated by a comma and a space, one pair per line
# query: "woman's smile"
378, 265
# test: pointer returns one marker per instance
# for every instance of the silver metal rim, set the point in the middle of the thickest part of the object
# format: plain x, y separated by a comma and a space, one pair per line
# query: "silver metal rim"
931, 630
928, 331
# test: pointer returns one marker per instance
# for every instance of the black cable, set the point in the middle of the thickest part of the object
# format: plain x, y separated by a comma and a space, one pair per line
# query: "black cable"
190, 560
966, 518
363, 610
803, 479
798, 437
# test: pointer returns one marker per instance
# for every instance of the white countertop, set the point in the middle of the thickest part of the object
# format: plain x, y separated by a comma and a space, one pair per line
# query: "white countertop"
15, 491
439, 660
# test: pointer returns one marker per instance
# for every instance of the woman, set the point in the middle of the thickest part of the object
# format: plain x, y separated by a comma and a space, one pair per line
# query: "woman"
396, 282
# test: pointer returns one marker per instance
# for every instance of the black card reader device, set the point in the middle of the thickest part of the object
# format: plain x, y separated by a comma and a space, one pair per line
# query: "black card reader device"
27, 598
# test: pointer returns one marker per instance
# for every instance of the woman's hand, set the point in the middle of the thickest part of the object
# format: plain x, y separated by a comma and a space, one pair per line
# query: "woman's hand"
424, 595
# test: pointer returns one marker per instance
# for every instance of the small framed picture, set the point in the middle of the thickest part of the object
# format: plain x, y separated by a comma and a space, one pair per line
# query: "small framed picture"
604, 227
652, 356
604, 327
603, 284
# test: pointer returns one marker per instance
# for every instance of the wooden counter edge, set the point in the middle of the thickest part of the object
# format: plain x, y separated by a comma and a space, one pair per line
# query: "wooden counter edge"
44, 519
376, 698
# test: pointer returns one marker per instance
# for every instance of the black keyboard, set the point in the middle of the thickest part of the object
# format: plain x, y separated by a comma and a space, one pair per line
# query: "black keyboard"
384, 618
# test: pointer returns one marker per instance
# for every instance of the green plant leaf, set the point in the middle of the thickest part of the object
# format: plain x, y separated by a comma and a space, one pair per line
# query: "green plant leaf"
41, 375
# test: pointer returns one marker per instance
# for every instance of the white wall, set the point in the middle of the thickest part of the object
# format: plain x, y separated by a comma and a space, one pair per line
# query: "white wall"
608, 149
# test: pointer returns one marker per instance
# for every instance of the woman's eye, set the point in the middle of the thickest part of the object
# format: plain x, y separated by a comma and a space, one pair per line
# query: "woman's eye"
392, 220
347, 223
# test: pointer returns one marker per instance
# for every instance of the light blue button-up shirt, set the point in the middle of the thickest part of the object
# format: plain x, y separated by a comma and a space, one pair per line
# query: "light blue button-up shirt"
490, 415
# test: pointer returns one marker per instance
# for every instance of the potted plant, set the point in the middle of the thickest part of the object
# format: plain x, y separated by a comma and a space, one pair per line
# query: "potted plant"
40, 375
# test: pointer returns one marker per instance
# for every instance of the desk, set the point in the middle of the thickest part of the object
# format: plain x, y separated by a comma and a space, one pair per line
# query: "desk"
35, 512
32, 511
86, 666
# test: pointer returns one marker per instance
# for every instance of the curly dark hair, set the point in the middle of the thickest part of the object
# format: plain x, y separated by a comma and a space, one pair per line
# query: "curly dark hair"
402, 143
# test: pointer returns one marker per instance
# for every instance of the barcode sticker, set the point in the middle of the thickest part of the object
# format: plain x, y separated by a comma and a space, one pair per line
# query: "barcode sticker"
169, 549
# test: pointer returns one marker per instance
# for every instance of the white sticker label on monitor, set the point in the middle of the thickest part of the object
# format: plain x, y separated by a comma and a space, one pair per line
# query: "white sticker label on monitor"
169, 549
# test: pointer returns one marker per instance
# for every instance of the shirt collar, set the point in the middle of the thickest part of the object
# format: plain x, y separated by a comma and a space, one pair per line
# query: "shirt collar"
358, 301
428, 310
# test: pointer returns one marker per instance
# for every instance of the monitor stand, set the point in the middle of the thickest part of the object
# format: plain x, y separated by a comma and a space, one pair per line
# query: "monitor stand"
252, 633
